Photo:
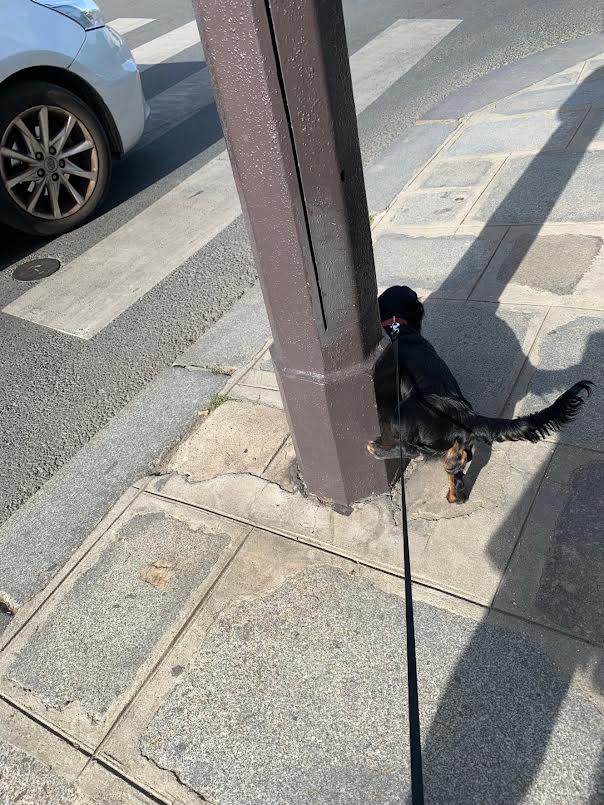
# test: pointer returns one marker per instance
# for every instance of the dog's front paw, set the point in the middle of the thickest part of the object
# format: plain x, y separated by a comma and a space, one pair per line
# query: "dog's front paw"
379, 451
459, 497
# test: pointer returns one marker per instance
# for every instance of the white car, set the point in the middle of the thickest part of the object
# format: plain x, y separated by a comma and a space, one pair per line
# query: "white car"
70, 101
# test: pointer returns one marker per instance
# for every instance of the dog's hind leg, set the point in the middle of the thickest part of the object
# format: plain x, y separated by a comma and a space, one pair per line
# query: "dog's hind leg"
380, 449
456, 460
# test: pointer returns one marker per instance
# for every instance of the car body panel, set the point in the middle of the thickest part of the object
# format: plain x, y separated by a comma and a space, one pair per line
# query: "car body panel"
105, 62
33, 36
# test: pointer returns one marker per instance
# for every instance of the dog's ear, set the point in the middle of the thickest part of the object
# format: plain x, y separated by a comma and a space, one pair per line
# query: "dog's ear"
415, 314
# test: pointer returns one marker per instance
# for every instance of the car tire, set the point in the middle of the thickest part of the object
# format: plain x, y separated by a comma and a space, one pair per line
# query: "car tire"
39, 194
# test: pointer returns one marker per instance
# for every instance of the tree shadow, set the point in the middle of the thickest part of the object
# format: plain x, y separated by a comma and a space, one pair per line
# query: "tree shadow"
488, 739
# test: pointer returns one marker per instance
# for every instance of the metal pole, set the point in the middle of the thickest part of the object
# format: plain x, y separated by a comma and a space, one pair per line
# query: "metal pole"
283, 90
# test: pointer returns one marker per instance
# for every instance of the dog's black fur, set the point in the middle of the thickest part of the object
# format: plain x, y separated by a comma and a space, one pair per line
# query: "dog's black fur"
436, 419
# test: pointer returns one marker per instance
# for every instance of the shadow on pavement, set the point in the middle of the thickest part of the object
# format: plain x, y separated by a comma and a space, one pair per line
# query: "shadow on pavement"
142, 167
497, 717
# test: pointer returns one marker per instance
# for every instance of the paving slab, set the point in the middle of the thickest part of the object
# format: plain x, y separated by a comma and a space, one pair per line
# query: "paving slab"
547, 131
385, 177
37, 767
556, 576
237, 437
255, 394
465, 548
17, 620
546, 267
517, 75
41, 537
370, 533
440, 266
283, 467
458, 172
593, 69
569, 76
291, 690
260, 378
434, 207
485, 346
569, 348
591, 132
81, 658
234, 340
581, 96
459, 549
556, 187
109, 788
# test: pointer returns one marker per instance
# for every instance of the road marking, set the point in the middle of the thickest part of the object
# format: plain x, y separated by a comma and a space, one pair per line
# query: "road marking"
168, 45
107, 279
101, 284
381, 62
125, 25
172, 107
395, 51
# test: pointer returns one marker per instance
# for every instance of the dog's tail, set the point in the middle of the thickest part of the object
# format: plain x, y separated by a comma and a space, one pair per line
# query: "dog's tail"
535, 426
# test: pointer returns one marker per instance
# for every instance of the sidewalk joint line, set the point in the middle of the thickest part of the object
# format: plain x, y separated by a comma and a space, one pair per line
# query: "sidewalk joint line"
44, 601
480, 195
489, 261
160, 660
381, 569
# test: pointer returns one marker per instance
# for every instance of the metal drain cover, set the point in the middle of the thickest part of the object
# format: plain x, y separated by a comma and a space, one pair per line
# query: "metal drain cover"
36, 269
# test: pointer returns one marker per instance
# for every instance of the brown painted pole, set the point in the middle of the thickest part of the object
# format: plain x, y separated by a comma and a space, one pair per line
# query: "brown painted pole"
283, 89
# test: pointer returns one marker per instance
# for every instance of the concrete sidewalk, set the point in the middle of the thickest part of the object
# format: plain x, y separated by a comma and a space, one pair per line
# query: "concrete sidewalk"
219, 637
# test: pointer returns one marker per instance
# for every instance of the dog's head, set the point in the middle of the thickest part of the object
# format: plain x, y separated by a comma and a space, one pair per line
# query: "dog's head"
402, 302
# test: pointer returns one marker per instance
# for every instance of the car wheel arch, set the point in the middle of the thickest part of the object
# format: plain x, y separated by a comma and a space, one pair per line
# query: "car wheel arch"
78, 86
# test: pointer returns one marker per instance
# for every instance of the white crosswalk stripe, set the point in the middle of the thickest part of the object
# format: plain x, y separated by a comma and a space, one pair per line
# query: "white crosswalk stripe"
97, 287
165, 47
390, 55
100, 284
172, 107
125, 25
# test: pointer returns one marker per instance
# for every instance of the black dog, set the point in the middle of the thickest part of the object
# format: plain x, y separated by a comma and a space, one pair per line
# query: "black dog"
436, 419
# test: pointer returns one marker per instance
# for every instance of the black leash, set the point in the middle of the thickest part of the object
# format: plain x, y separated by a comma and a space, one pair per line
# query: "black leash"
417, 777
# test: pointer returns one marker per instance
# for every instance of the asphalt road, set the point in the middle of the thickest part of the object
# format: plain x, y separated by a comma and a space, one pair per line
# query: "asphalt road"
57, 390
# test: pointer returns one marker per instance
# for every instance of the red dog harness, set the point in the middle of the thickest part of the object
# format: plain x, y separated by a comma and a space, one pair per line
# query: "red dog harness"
395, 320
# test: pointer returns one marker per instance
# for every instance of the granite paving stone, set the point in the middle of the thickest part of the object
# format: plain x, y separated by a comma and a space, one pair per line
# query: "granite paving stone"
556, 576
434, 207
581, 95
590, 133
446, 266
546, 131
40, 538
556, 187
385, 177
593, 69
569, 348
37, 767
296, 695
458, 173
235, 338
27, 781
237, 437
465, 548
565, 77
544, 267
488, 348
82, 657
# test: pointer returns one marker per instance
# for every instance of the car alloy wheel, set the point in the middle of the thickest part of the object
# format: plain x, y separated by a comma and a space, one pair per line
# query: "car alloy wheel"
49, 163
